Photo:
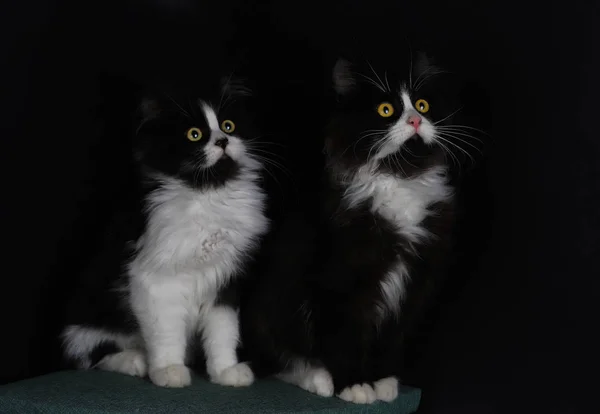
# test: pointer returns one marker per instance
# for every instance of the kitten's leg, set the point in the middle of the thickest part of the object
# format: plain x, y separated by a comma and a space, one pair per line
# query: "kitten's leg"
162, 311
308, 377
389, 360
346, 356
220, 337
387, 367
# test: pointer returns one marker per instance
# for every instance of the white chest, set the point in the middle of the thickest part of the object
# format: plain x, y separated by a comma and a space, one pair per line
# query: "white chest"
404, 202
192, 234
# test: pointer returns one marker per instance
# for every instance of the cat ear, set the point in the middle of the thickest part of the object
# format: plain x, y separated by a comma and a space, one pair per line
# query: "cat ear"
232, 86
343, 79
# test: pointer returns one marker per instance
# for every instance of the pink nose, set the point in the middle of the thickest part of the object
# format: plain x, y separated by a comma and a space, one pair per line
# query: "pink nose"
414, 120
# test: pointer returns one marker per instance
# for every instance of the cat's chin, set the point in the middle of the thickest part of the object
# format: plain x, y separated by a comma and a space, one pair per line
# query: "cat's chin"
224, 163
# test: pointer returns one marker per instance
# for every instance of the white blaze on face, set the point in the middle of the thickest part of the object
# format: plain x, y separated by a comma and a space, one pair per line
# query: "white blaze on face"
401, 130
235, 147
211, 150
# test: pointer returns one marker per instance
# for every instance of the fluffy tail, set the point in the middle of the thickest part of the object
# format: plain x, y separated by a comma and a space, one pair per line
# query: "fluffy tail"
84, 347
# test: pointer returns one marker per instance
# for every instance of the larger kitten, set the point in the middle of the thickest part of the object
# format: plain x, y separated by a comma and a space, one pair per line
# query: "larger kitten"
343, 293
166, 274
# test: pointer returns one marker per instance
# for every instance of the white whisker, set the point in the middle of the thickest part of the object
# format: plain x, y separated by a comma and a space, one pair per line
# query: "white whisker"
387, 83
373, 82
459, 133
451, 135
464, 127
455, 145
449, 116
179, 106
447, 151
377, 76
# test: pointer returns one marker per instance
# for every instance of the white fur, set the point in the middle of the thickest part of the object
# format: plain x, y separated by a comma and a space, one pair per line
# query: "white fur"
193, 244
403, 201
235, 147
239, 375
220, 336
393, 290
402, 130
309, 377
130, 362
171, 376
211, 117
79, 342
358, 394
386, 389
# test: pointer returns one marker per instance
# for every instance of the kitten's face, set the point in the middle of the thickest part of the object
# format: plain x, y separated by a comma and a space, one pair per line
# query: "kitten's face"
396, 123
198, 140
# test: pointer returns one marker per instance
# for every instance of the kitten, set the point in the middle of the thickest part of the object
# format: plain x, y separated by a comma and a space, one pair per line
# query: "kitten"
346, 289
166, 274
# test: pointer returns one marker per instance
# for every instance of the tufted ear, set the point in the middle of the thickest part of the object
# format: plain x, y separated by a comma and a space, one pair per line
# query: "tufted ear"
343, 78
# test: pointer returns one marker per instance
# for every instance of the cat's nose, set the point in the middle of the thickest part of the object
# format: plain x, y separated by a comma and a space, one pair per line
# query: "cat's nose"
414, 120
221, 142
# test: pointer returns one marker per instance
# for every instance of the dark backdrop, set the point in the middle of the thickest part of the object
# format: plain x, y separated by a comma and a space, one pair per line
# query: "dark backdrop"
518, 331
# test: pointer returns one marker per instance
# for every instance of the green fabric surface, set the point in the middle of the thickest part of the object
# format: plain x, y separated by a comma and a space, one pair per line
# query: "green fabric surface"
95, 392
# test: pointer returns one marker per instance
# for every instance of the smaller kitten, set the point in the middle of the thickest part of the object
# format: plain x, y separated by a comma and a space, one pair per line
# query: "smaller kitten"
166, 275
344, 293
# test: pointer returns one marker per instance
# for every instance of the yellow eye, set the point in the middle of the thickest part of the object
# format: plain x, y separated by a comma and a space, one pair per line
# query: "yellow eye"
194, 134
228, 126
385, 109
422, 106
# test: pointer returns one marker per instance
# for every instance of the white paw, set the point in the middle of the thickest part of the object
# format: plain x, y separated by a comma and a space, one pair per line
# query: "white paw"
172, 376
359, 394
319, 382
130, 362
239, 375
386, 389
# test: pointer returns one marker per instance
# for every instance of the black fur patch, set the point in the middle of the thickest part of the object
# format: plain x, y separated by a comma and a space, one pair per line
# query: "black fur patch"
100, 298
102, 350
317, 294
161, 145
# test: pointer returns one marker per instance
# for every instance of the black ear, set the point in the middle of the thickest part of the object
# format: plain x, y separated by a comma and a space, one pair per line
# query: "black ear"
343, 78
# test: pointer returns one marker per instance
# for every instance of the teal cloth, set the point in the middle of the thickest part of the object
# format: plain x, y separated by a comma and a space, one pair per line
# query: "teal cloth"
95, 392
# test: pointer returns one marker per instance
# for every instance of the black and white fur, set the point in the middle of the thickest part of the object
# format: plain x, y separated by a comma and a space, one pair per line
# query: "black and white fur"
165, 278
347, 287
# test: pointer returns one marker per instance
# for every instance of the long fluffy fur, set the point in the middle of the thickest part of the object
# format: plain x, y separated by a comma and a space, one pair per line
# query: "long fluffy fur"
171, 282
344, 291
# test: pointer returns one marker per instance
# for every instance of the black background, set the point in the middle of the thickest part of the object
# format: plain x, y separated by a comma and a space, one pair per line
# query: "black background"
519, 334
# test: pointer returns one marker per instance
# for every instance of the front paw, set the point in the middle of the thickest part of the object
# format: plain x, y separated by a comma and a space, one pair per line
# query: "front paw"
318, 382
386, 389
358, 394
129, 362
239, 375
172, 376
